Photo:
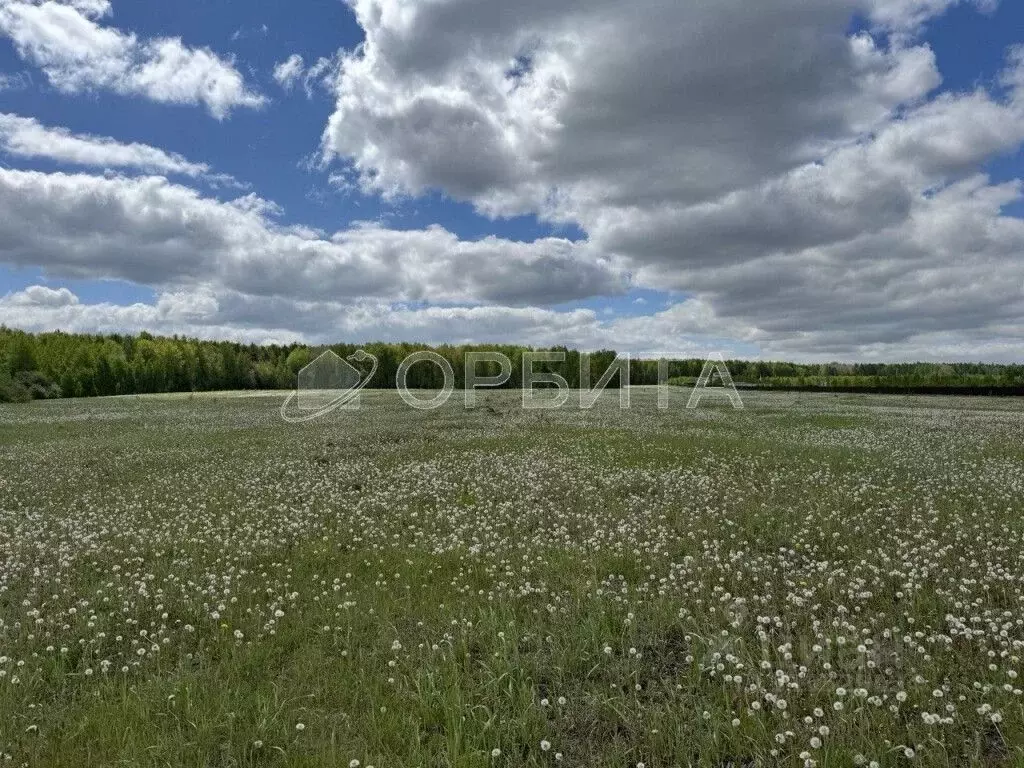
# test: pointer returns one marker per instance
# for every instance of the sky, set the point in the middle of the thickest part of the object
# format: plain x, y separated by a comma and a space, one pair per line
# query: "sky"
788, 179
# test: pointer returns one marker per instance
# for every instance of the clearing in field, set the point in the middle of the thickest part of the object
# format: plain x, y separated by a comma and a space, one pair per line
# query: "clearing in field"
189, 581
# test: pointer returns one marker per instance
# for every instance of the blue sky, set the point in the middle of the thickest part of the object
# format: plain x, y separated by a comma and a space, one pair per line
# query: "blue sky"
269, 149
776, 187
971, 50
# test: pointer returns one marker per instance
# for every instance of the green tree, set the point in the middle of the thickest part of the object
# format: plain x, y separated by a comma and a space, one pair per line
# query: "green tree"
23, 357
298, 359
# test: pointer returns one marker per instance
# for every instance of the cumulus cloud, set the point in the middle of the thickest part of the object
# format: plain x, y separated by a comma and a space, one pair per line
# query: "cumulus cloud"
39, 308
154, 232
77, 53
26, 137
810, 192
41, 296
682, 330
814, 185
685, 329
566, 101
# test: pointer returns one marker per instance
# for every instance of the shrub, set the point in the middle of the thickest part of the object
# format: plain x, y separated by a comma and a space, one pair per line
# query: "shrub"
27, 385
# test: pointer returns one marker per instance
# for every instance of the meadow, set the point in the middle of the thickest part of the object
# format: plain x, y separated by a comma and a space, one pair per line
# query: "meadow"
818, 580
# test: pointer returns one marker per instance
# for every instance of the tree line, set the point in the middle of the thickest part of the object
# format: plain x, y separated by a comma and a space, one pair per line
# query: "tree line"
58, 364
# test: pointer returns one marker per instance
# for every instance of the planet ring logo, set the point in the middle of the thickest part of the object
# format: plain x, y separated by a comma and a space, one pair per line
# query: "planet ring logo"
328, 383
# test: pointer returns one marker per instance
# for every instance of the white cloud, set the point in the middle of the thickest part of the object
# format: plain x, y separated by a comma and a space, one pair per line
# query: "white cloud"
809, 184
289, 71
1013, 76
241, 33
682, 328
813, 193
612, 102
26, 137
41, 296
686, 329
910, 15
151, 231
77, 54
17, 81
323, 72
39, 309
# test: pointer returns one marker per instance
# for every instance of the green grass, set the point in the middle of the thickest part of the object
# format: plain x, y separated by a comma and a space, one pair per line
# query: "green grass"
411, 588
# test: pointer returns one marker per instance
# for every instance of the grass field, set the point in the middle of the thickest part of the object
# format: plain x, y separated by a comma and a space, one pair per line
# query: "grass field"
820, 580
